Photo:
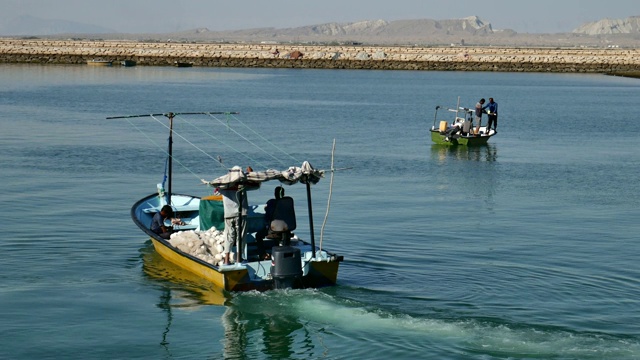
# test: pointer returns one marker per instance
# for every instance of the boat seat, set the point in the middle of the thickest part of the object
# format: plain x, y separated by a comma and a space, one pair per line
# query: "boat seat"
466, 127
251, 247
284, 220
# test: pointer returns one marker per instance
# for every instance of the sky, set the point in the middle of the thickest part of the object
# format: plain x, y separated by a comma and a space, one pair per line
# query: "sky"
160, 16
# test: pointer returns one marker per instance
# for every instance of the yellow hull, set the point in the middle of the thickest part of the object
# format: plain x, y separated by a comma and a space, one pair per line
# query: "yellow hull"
229, 280
99, 63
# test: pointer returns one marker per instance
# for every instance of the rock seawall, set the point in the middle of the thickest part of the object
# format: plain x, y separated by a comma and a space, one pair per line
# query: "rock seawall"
325, 57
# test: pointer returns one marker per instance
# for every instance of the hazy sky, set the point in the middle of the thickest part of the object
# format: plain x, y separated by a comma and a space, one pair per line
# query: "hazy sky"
536, 16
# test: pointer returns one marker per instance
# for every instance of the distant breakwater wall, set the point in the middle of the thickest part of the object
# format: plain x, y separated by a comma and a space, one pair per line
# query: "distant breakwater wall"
323, 57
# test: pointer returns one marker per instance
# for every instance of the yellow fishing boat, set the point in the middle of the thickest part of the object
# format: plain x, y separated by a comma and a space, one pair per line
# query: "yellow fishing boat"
194, 245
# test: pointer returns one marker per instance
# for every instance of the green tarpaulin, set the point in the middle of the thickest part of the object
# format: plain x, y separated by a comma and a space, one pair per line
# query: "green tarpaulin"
211, 213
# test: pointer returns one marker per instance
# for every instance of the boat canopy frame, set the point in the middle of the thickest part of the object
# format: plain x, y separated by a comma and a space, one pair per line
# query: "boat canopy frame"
242, 181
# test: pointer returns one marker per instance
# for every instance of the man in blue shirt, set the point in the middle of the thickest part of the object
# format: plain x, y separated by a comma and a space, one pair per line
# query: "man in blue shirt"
157, 223
492, 110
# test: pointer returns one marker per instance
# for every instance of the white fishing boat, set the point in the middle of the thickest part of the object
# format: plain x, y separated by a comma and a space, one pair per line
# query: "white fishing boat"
195, 244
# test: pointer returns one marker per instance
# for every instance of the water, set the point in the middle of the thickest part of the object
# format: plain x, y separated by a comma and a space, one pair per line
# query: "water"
526, 248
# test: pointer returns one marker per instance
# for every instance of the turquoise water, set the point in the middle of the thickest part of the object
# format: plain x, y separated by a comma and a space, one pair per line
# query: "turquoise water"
526, 248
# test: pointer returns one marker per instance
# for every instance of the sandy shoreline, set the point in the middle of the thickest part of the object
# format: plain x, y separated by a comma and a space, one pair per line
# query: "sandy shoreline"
612, 61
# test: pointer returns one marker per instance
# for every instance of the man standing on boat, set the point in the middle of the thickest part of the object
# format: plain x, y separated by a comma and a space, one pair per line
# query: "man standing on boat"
478, 114
235, 216
492, 110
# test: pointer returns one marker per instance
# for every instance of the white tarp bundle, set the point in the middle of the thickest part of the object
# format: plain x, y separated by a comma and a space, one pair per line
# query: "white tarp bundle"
304, 174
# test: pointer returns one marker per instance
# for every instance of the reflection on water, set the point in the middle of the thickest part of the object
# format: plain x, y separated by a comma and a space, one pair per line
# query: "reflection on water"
165, 305
249, 319
281, 334
444, 153
180, 288
463, 173
187, 289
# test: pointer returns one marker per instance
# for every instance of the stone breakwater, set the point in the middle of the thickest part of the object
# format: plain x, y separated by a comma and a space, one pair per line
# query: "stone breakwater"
324, 57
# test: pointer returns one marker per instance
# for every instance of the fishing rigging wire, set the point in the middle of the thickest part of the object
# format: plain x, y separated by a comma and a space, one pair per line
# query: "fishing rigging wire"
220, 141
263, 138
247, 140
163, 149
189, 142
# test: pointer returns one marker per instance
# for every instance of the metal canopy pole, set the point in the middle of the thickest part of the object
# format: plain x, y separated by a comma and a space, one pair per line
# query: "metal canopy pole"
313, 239
240, 194
170, 180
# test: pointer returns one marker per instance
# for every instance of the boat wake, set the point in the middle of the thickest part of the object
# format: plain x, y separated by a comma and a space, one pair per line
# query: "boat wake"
489, 337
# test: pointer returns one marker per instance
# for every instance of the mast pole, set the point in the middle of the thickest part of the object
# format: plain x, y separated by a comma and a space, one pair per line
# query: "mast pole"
240, 196
313, 239
170, 168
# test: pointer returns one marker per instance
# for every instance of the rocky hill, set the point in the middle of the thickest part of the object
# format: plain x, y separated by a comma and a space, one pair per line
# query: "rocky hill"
630, 25
372, 31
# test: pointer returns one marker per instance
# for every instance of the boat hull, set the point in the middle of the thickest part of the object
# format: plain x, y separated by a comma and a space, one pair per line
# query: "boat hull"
99, 63
470, 140
239, 277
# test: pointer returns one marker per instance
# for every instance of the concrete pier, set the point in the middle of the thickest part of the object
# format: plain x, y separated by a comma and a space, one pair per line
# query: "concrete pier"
452, 58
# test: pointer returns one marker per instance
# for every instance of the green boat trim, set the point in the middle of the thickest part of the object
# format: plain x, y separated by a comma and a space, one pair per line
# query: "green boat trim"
441, 138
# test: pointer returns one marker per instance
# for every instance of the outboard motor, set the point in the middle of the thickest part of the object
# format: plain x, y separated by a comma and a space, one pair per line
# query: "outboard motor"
286, 267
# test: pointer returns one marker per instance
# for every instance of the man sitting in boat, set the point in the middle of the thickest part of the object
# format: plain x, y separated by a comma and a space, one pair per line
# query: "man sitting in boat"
157, 223
453, 130
268, 217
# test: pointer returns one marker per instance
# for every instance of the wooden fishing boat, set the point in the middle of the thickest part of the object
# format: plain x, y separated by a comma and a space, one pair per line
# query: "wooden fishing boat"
293, 262
461, 130
97, 62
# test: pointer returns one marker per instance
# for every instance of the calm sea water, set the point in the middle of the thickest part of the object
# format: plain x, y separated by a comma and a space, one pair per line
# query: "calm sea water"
526, 248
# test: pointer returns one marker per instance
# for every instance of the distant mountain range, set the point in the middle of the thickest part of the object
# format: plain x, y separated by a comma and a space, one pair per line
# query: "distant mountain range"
630, 25
372, 31
466, 31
